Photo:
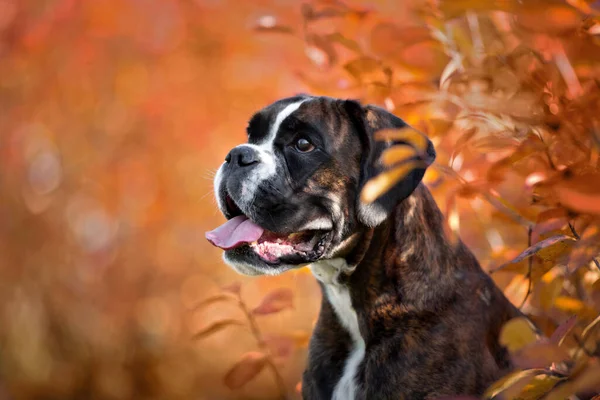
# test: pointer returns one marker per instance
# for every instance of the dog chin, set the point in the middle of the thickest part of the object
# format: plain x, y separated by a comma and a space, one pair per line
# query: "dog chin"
256, 267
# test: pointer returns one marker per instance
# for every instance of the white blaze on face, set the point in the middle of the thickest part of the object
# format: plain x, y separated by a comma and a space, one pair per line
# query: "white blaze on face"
267, 168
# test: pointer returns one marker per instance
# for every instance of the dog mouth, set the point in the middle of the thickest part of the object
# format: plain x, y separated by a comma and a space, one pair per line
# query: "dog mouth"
240, 233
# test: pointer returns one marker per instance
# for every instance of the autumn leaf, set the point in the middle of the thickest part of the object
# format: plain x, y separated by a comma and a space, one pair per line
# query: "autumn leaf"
387, 38
234, 288
536, 388
268, 24
539, 246
275, 301
215, 327
214, 299
587, 380
249, 366
281, 346
350, 44
398, 154
384, 181
517, 333
517, 379
553, 19
574, 306
579, 194
563, 329
407, 135
361, 66
320, 50
540, 354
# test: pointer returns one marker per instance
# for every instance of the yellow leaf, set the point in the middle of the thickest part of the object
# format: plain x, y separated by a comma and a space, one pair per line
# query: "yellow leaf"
509, 380
517, 333
587, 380
574, 306
550, 287
384, 181
408, 135
536, 388
397, 154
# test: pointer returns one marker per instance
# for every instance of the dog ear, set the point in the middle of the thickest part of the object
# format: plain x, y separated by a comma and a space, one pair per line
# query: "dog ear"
368, 120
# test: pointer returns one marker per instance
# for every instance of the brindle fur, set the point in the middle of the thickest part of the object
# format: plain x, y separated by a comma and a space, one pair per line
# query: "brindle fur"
429, 315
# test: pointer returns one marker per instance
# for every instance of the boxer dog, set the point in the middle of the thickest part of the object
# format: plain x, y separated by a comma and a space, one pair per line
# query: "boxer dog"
406, 314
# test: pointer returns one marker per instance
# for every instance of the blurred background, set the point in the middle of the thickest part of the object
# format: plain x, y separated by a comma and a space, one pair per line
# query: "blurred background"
116, 114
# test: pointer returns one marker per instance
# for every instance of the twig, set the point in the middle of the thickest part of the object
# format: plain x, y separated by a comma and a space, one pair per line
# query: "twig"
578, 238
262, 345
530, 267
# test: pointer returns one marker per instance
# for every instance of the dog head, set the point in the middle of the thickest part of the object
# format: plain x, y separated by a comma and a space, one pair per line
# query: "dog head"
291, 195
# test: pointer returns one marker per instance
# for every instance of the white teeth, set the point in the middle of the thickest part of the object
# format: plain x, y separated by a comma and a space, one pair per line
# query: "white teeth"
278, 240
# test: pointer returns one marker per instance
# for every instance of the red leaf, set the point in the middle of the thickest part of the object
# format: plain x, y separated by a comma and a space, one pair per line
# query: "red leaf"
280, 346
539, 355
562, 330
245, 370
277, 300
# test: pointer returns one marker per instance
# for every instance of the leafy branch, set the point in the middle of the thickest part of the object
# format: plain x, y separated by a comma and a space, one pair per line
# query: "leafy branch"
253, 362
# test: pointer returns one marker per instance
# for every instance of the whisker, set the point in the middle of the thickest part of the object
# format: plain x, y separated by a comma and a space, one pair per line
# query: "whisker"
210, 173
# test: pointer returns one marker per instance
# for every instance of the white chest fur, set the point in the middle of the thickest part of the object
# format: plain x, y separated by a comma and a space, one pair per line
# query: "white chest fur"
339, 297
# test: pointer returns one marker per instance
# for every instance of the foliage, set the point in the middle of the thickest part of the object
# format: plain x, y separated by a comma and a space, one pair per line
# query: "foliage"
510, 94
113, 111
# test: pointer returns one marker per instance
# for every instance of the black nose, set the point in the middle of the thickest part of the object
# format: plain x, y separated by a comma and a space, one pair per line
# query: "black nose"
243, 156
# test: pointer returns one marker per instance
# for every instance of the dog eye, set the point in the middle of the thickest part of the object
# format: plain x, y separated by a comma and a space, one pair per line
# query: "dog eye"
304, 146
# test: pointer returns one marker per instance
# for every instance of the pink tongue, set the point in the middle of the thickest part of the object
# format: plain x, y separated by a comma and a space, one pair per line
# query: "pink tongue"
234, 233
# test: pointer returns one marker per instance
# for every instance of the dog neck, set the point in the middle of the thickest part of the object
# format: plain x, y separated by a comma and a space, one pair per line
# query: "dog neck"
406, 264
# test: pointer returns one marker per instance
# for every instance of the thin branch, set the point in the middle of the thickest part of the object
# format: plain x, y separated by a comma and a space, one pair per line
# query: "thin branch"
264, 348
578, 238
530, 267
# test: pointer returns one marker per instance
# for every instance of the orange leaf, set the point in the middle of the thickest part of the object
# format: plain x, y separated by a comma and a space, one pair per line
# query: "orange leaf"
215, 327
344, 41
579, 193
268, 24
275, 301
251, 364
214, 299
574, 306
384, 181
386, 38
361, 66
234, 288
408, 135
320, 50
557, 19
397, 155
